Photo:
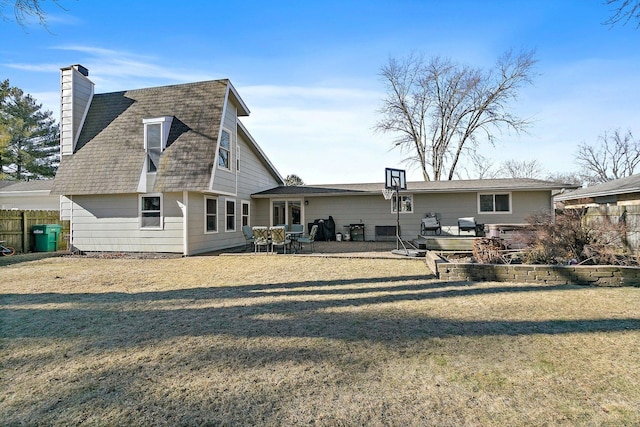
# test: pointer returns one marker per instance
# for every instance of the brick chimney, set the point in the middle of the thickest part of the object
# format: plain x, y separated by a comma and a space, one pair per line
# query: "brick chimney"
76, 92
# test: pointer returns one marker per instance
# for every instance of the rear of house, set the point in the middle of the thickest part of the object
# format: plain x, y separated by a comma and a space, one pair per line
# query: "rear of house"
495, 201
164, 169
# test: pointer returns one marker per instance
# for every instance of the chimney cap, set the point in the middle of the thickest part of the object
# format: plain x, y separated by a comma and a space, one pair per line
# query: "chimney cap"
81, 69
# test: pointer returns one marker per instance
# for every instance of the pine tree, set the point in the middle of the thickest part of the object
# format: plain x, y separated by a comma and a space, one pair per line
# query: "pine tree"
28, 137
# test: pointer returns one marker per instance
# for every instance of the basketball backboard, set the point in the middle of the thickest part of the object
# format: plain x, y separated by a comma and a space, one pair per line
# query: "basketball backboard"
395, 178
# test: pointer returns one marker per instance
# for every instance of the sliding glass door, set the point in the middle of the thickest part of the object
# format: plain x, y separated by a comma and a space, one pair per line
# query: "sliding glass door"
286, 212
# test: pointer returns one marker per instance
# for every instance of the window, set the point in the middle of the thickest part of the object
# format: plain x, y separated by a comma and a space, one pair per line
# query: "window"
494, 203
211, 214
151, 211
154, 146
156, 132
245, 213
224, 153
406, 204
231, 215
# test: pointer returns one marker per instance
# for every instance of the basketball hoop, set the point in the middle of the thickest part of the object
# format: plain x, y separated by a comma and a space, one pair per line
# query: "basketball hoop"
387, 193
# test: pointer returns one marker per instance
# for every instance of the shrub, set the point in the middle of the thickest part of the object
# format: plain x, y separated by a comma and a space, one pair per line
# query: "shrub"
574, 237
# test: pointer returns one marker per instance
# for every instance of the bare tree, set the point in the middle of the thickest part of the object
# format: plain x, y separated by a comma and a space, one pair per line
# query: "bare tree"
623, 12
615, 156
478, 167
575, 178
438, 108
24, 9
521, 169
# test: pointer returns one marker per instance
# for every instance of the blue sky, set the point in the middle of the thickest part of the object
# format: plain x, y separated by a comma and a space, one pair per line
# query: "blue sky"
308, 70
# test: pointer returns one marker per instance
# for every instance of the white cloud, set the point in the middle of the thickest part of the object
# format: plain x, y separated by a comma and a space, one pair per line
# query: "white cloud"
323, 134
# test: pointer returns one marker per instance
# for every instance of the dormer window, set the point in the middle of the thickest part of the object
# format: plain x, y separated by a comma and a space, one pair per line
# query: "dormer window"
156, 133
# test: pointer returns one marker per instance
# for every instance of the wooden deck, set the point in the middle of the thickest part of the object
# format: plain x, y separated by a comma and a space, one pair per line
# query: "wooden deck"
445, 243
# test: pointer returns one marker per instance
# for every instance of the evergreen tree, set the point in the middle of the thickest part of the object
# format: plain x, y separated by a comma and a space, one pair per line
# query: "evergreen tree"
29, 137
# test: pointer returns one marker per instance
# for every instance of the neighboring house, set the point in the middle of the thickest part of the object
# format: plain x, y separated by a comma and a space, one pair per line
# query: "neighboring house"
162, 169
619, 192
28, 195
490, 201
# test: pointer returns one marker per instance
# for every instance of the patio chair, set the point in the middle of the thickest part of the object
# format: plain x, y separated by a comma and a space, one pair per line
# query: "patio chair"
296, 228
310, 239
279, 238
260, 238
431, 222
248, 235
467, 224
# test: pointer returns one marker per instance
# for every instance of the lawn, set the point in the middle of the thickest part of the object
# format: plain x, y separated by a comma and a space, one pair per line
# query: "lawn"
279, 340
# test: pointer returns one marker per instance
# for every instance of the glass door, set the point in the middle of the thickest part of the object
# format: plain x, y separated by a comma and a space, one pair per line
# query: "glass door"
286, 212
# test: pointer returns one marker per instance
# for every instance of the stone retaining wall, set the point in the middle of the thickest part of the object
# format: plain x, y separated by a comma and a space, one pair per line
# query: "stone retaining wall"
597, 275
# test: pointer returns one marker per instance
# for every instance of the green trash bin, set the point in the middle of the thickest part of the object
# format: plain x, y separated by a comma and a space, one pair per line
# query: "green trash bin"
46, 236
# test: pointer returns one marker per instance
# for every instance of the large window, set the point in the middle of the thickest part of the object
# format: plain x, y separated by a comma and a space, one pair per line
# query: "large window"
224, 152
494, 203
151, 211
231, 215
211, 214
406, 203
156, 132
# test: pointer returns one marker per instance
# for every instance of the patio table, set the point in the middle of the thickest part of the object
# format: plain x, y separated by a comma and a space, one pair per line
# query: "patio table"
293, 236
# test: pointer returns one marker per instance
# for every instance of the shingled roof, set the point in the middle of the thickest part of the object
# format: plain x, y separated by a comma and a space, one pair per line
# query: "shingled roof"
629, 184
506, 184
110, 153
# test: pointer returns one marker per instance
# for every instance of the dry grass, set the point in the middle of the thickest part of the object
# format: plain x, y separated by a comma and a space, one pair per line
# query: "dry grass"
307, 341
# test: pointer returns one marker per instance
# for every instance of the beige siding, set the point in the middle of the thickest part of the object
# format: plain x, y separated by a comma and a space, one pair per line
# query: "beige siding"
225, 180
375, 210
260, 212
253, 176
201, 241
112, 223
30, 201
65, 208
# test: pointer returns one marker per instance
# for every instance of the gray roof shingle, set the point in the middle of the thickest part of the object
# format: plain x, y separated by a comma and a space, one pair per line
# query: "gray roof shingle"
18, 186
506, 184
630, 184
110, 153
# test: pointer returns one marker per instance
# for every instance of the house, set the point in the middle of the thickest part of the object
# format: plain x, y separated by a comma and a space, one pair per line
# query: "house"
500, 202
619, 192
161, 169
28, 195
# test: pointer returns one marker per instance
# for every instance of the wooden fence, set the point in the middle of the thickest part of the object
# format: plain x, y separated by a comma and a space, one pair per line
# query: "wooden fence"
16, 227
628, 214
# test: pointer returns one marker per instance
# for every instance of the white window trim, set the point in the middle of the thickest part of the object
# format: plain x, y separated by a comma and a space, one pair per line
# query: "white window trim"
393, 205
140, 211
494, 212
217, 216
242, 203
231, 145
165, 127
235, 215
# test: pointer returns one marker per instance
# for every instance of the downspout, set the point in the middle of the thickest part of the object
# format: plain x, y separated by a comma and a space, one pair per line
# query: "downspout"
71, 248
185, 222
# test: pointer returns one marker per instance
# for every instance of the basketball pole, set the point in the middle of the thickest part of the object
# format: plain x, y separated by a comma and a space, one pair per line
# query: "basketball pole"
396, 189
